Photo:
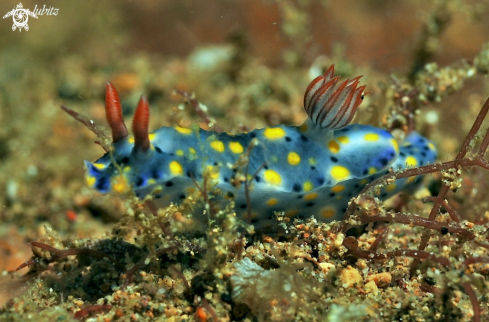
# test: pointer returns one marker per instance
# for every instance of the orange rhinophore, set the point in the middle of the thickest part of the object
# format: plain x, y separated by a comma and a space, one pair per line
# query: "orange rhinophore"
113, 112
140, 125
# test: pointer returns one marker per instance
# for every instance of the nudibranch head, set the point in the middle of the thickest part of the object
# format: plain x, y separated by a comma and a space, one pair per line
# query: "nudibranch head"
130, 164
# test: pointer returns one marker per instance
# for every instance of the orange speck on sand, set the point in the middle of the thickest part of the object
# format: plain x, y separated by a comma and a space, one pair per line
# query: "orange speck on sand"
71, 215
118, 312
200, 314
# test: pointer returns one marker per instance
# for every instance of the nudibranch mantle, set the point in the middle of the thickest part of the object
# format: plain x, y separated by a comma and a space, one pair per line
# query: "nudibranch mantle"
312, 169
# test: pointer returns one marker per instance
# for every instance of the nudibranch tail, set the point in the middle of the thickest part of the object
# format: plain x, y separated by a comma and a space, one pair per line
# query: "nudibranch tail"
140, 125
113, 112
329, 105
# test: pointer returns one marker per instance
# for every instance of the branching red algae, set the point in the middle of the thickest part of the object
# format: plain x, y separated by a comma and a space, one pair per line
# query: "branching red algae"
430, 223
469, 290
352, 245
59, 254
88, 310
90, 125
197, 106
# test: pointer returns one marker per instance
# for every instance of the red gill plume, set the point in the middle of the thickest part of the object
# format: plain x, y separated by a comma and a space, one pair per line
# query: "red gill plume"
332, 105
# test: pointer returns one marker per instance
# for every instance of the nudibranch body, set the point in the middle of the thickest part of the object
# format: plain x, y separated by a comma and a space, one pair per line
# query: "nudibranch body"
313, 169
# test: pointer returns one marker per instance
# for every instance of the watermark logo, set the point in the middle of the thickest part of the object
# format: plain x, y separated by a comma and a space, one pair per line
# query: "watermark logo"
20, 16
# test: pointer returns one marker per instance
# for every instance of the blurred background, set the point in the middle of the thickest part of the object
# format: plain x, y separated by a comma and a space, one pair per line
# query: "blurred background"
379, 33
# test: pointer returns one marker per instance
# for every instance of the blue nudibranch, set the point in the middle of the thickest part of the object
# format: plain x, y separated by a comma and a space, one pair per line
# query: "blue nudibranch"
313, 169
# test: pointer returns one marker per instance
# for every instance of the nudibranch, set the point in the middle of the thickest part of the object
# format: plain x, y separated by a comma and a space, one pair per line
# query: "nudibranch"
308, 170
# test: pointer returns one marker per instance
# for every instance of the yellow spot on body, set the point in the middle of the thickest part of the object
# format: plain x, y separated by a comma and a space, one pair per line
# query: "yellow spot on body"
274, 133
308, 186
90, 180
334, 146
253, 215
340, 173
371, 137
312, 161
157, 189
126, 169
410, 179
411, 161
151, 181
192, 150
344, 139
176, 168
272, 202
151, 136
131, 140
293, 158
338, 188
183, 130
303, 128
291, 213
328, 213
431, 146
372, 170
311, 196
119, 184
236, 147
272, 177
218, 146
99, 166
395, 145
214, 172
390, 187
363, 181
179, 153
